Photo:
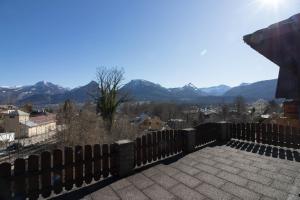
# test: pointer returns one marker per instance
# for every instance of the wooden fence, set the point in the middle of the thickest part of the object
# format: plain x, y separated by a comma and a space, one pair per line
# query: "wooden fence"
56, 170
63, 170
271, 134
157, 146
206, 133
162, 144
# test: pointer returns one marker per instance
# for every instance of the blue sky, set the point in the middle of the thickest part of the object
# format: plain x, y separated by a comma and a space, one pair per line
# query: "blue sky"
170, 42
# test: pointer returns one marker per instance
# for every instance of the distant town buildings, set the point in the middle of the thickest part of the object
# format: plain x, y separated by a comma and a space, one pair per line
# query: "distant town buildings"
145, 122
5, 108
24, 126
260, 106
7, 137
176, 123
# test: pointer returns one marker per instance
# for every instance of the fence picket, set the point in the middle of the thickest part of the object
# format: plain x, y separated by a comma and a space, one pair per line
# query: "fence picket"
230, 130
154, 145
113, 159
159, 145
167, 143
252, 132
172, 141
68, 157
238, 131
97, 162
180, 138
46, 174
198, 137
105, 161
204, 128
138, 151
234, 132
295, 138
135, 153
163, 144
144, 149
149, 147
258, 132
176, 144
275, 135
243, 131
5, 181
269, 134
57, 171
288, 133
20, 182
88, 165
248, 132
78, 166
263, 133
33, 179
281, 135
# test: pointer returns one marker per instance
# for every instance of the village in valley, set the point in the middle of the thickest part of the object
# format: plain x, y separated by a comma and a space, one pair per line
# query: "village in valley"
26, 129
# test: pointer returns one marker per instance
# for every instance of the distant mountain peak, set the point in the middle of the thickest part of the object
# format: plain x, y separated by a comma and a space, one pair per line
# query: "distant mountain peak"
190, 85
42, 83
93, 83
46, 84
257, 90
244, 84
216, 90
141, 82
43, 92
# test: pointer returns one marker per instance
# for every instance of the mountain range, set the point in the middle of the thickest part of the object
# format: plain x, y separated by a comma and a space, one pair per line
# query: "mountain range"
44, 93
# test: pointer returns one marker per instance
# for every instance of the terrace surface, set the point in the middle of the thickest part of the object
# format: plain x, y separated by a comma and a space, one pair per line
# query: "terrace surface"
239, 171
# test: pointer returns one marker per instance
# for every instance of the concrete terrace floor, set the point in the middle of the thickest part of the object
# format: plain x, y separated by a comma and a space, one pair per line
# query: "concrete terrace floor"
220, 172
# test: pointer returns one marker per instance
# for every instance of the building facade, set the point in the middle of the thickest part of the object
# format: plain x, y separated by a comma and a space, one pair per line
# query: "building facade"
25, 126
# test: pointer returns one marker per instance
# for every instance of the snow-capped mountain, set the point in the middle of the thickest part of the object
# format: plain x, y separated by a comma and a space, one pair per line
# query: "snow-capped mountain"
139, 90
216, 90
29, 93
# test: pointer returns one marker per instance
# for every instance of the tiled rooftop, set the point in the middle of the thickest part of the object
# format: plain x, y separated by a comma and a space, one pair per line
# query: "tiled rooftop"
220, 172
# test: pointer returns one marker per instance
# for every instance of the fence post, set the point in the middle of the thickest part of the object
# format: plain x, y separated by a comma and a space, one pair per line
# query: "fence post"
223, 135
189, 140
124, 157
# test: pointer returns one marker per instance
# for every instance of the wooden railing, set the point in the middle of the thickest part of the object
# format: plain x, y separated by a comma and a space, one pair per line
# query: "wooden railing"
51, 173
206, 133
271, 134
63, 170
55, 171
157, 146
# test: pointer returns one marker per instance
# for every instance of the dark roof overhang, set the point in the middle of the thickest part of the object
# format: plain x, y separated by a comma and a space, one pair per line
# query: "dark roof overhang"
280, 43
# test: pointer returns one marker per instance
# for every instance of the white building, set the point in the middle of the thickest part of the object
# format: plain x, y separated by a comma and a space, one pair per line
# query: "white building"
7, 137
25, 126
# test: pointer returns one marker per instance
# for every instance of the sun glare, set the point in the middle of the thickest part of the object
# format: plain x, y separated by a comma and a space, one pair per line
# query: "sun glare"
271, 3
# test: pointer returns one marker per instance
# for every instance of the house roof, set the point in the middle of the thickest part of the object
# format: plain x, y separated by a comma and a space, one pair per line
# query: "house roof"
42, 119
36, 121
29, 123
280, 43
18, 113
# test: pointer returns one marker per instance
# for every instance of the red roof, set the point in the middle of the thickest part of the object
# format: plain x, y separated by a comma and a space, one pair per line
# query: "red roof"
42, 119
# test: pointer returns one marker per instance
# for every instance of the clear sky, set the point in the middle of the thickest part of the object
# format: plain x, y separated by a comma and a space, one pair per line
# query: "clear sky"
170, 42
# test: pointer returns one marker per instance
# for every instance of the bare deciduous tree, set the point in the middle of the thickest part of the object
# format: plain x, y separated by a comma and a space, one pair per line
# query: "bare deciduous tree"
240, 105
224, 111
65, 117
110, 82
